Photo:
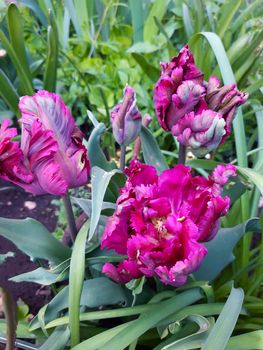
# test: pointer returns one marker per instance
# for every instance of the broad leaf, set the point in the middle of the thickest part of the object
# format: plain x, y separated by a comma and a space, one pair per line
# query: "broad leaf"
95, 153
33, 238
96, 292
220, 249
151, 152
40, 276
99, 182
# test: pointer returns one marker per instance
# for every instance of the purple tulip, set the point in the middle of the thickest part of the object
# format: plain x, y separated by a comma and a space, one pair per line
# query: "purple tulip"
224, 100
201, 132
126, 119
179, 89
51, 157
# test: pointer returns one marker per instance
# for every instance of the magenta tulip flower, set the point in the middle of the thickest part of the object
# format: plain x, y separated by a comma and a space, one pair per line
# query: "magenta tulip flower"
179, 89
161, 222
51, 158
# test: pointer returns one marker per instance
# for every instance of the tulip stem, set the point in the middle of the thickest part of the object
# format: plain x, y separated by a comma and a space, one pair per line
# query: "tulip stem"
122, 158
70, 217
182, 154
9, 307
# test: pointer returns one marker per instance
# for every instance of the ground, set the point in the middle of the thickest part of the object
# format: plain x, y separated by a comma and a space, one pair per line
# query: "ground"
15, 203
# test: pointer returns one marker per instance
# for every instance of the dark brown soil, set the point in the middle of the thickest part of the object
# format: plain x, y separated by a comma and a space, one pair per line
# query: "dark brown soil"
15, 203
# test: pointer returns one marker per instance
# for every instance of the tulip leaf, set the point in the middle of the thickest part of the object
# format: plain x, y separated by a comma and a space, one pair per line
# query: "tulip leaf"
220, 249
50, 76
34, 239
96, 292
158, 10
100, 180
24, 79
151, 152
136, 8
8, 92
57, 340
95, 153
224, 326
76, 279
16, 31
254, 176
40, 276
118, 338
247, 341
86, 205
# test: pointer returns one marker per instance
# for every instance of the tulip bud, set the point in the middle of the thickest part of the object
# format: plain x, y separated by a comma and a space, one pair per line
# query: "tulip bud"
126, 119
224, 100
202, 132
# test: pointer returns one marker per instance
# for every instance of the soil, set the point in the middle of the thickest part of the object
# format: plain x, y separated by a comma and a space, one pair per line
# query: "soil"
15, 203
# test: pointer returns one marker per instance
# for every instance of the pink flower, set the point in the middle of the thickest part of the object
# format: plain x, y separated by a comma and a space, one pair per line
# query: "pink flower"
224, 100
51, 158
126, 119
201, 132
198, 113
161, 221
179, 89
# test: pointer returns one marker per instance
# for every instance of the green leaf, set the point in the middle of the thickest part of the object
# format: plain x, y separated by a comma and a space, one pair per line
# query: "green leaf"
96, 292
149, 320
187, 21
69, 4
247, 341
41, 276
195, 340
57, 340
99, 182
50, 76
224, 326
3, 257
150, 28
16, 31
86, 205
220, 249
151, 152
143, 47
151, 71
33, 238
136, 9
253, 176
76, 277
8, 92
33, 5
95, 153
24, 79
118, 338
227, 12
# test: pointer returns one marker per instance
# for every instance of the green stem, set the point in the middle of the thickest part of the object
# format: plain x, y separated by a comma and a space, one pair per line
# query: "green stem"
182, 154
122, 158
9, 307
70, 217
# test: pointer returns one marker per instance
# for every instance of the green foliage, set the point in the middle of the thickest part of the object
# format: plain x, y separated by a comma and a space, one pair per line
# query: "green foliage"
87, 51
